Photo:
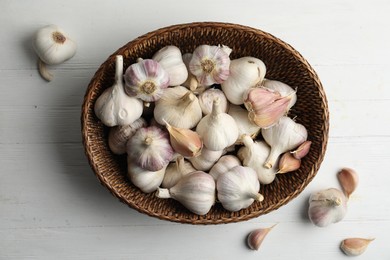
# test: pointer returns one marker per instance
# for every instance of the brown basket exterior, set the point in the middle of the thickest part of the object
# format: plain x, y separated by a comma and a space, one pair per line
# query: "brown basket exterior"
283, 63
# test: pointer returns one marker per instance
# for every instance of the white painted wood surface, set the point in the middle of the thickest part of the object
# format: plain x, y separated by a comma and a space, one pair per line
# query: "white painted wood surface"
51, 204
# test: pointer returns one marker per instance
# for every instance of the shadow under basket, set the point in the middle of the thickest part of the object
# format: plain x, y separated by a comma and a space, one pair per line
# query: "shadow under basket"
283, 63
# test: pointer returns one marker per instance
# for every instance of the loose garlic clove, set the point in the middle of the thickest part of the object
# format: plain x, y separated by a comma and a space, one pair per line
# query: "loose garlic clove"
206, 159
171, 61
179, 107
210, 65
245, 126
288, 163
147, 181
256, 237
302, 150
184, 141
283, 89
196, 191
355, 246
349, 180
146, 80
114, 107
175, 171
245, 73
119, 135
149, 148
224, 164
238, 188
206, 100
327, 207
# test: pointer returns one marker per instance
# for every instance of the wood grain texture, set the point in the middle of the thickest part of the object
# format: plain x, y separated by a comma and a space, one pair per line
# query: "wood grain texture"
51, 204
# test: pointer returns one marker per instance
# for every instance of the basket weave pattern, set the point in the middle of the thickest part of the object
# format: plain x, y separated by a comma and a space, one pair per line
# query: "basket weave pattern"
283, 63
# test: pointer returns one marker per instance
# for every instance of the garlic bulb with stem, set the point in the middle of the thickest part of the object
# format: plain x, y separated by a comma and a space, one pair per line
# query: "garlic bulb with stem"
146, 80
195, 191
206, 100
206, 159
149, 148
355, 246
171, 60
217, 129
245, 126
283, 89
254, 154
53, 46
327, 207
175, 171
113, 107
224, 164
282, 137
245, 73
256, 237
179, 107
238, 188
349, 180
147, 181
210, 65
119, 135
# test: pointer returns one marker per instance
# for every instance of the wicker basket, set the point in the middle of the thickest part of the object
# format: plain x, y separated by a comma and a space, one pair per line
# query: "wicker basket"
283, 63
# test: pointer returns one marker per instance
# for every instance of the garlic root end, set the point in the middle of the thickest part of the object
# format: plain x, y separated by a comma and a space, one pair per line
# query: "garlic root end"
43, 71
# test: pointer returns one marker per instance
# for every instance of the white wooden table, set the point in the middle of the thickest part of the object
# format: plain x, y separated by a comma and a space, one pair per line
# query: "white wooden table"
51, 204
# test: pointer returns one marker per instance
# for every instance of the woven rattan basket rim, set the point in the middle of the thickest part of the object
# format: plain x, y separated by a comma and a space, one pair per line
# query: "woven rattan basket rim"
194, 219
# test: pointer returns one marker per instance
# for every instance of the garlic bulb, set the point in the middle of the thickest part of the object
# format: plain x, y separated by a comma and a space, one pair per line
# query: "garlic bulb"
147, 181
245, 126
224, 164
175, 171
282, 137
210, 65
119, 135
113, 107
283, 89
195, 191
245, 73
238, 188
171, 60
206, 159
206, 100
254, 154
146, 80
149, 148
184, 141
355, 246
217, 129
265, 106
256, 237
179, 107
327, 207
52, 46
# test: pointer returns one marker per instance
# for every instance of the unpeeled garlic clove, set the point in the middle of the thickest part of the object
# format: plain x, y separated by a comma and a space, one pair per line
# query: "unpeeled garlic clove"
355, 246
302, 150
288, 163
349, 180
184, 141
256, 237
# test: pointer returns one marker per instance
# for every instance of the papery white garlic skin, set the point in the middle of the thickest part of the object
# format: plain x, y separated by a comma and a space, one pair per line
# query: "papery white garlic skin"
224, 164
206, 159
210, 65
171, 60
146, 80
119, 135
355, 246
327, 207
283, 89
217, 129
282, 137
254, 154
245, 126
206, 100
196, 191
245, 72
179, 107
113, 107
238, 188
147, 181
175, 171
149, 148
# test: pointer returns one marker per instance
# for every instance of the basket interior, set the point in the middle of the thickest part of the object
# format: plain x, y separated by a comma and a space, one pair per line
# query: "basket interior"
283, 63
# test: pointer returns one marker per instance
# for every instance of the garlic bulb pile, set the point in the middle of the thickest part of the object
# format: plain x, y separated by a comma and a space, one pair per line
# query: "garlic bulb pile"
190, 125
